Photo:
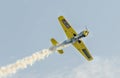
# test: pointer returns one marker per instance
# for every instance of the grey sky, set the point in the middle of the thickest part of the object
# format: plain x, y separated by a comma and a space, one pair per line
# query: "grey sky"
27, 25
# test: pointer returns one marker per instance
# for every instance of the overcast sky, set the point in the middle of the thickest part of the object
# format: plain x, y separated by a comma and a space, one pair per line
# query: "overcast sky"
26, 26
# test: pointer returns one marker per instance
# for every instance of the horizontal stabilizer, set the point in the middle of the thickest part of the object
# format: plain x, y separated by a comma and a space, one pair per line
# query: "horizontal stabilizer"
54, 42
60, 51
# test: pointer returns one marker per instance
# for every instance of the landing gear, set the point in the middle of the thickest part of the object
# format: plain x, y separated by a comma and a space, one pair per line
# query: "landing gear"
79, 41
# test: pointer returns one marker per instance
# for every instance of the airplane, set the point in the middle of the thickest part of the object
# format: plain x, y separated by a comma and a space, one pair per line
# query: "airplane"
73, 38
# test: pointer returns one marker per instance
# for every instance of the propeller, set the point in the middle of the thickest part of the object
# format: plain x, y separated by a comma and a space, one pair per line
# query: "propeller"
86, 28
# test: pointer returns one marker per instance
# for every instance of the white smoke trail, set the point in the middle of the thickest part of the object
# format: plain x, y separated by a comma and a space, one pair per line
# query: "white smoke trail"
23, 63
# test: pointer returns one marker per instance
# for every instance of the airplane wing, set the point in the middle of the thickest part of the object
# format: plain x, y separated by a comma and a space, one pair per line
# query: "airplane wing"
80, 46
69, 31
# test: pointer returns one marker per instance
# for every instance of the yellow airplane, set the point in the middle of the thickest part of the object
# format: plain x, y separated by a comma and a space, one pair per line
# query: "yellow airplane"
73, 38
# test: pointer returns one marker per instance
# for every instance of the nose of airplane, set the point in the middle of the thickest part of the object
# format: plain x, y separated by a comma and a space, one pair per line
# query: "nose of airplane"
86, 33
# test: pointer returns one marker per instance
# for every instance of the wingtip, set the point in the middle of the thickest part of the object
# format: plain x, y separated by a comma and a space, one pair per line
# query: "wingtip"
90, 59
60, 17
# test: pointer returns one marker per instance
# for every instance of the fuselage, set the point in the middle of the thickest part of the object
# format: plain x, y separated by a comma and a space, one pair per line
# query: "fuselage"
75, 38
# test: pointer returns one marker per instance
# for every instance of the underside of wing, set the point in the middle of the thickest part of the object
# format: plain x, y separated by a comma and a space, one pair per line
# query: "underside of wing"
69, 31
80, 46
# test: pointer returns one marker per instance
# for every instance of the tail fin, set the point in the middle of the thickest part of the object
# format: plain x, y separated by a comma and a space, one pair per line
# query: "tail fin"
54, 42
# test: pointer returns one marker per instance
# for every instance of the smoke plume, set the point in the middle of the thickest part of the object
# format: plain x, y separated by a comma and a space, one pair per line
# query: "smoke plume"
24, 63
